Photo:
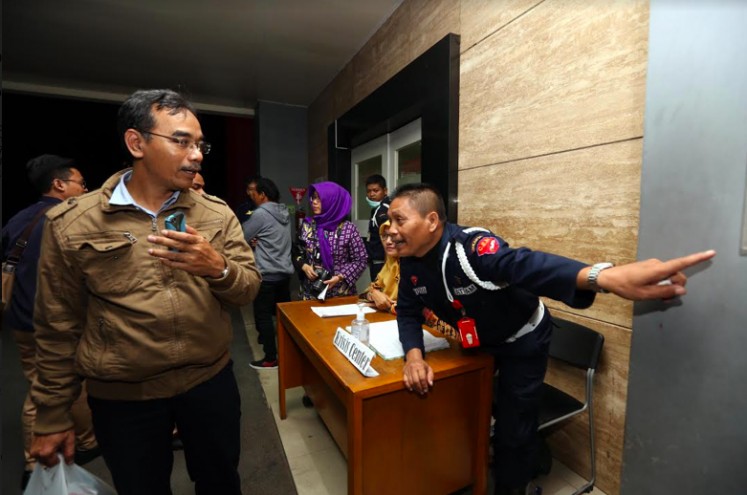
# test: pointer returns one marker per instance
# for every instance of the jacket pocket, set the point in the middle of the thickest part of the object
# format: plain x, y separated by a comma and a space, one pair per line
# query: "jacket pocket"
210, 230
98, 352
107, 261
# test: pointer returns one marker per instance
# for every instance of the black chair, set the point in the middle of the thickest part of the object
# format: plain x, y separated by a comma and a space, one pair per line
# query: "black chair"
580, 347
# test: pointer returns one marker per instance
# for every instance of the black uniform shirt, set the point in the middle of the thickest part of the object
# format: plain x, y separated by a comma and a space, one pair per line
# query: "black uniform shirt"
498, 314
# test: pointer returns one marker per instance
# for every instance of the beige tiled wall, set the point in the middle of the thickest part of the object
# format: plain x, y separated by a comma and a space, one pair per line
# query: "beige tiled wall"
550, 146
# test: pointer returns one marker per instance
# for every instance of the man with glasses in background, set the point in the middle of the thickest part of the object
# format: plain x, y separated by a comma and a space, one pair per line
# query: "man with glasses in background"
141, 312
56, 179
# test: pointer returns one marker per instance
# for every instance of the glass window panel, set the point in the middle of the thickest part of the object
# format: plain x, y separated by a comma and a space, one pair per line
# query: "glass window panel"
409, 163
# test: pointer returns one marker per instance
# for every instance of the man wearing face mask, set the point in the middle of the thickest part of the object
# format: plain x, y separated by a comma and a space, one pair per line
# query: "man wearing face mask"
377, 199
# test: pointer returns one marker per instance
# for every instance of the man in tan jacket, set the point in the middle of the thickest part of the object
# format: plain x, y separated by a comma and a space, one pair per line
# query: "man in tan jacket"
142, 313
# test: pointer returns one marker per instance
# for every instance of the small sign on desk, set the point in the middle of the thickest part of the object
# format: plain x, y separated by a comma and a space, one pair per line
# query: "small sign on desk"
356, 352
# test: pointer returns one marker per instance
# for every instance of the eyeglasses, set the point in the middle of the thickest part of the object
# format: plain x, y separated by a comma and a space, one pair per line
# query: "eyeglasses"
81, 183
184, 143
387, 237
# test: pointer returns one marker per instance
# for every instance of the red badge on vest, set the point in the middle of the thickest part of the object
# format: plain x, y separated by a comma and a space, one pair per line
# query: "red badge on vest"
414, 280
487, 245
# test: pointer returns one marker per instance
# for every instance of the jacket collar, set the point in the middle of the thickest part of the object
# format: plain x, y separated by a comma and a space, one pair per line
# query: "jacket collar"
185, 199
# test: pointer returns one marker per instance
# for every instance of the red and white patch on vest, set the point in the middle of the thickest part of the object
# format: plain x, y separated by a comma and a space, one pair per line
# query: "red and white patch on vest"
414, 280
487, 245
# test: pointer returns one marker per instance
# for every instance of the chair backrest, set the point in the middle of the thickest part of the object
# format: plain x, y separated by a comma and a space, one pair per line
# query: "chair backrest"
576, 344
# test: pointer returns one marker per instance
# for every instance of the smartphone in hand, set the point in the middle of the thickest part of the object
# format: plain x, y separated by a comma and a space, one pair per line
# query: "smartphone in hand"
176, 221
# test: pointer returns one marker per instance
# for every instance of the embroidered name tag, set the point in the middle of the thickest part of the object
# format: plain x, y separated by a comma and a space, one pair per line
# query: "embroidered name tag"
465, 291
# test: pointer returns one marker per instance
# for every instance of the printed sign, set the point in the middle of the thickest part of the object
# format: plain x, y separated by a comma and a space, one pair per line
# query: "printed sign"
297, 193
356, 352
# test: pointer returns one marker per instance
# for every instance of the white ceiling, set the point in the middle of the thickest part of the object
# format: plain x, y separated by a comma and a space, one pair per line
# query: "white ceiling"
224, 53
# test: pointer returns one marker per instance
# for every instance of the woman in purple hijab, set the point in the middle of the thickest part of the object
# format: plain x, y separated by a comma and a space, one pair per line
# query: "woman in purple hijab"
330, 241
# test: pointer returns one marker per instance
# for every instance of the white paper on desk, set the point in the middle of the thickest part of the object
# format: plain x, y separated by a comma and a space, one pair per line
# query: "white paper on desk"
384, 338
339, 310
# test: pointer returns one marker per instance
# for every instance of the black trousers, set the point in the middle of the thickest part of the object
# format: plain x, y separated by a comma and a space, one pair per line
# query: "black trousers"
270, 293
522, 366
135, 438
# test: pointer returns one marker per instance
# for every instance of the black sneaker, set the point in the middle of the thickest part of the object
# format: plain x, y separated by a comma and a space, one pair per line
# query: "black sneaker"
265, 364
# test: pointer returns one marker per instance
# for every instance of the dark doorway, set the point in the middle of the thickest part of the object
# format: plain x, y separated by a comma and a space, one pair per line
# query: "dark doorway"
86, 132
428, 88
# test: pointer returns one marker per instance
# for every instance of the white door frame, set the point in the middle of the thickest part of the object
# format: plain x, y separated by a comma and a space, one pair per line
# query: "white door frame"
376, 147
405, 135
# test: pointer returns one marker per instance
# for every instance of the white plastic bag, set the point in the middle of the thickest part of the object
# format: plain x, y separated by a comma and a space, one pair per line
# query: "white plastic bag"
64, 479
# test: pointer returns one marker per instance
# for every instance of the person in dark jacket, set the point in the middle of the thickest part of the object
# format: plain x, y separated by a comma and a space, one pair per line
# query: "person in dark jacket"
377, 199
56, 179
244, 210
471, 274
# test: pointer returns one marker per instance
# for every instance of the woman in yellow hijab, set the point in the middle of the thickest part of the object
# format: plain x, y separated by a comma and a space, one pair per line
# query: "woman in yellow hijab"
383, 291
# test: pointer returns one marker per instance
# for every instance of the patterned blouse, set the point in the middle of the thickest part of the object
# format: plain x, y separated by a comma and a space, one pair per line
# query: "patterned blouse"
348, 254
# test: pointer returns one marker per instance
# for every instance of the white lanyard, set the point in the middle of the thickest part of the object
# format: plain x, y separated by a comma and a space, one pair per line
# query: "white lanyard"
443, 272
466, 267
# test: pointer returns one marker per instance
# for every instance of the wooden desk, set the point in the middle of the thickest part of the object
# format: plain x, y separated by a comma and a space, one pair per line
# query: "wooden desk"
395, 441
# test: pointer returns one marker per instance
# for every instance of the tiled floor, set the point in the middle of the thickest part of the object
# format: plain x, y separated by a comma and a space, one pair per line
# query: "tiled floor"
317, 464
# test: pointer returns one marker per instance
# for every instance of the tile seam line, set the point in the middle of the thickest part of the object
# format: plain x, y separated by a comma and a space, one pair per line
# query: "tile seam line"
551, 153
501, 27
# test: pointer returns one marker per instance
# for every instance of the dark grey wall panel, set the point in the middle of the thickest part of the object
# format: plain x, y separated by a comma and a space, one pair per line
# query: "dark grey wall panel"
283, 149
686, 429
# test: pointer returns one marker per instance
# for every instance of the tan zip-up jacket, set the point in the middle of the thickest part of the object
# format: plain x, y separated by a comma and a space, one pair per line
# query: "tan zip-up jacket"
108, 311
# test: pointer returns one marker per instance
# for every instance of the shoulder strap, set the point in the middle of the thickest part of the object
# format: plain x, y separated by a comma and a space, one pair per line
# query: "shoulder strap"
15, 255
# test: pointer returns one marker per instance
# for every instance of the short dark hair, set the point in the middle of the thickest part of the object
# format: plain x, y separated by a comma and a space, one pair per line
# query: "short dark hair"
136, 111
424, 197
267, 187
44, 169
376, 179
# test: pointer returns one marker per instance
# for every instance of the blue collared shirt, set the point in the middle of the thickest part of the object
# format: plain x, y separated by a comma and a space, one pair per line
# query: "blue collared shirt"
121, 196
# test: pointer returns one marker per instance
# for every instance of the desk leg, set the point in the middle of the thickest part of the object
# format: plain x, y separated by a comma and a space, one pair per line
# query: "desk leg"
480, 468
291, 362
283, 363
355, 446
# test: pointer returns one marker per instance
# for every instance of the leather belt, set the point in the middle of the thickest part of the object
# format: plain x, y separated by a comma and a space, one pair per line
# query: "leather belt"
529, 327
